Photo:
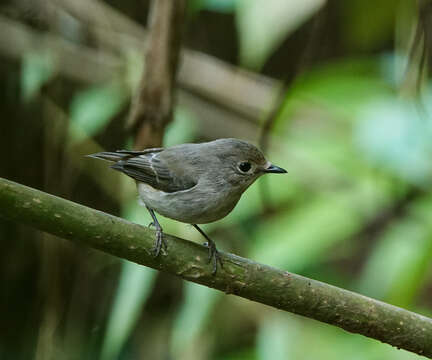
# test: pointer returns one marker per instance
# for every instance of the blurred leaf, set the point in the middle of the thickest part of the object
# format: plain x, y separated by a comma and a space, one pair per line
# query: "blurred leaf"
392, 135
36, 70
134, 66
192, 318
362, 33
182, 129
134, 288
194, 7
93, 108
393, 67
406, 72
240, 354
262, 26
220, 6
299, 237
337, 89
135, 285
277, 338
314, 340
399, 277
225, 6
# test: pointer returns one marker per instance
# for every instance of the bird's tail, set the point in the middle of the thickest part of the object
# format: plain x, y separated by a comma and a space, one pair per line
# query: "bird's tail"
109, 156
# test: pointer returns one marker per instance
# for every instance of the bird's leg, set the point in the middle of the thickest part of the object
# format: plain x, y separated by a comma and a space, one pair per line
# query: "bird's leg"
160, 241
213, 252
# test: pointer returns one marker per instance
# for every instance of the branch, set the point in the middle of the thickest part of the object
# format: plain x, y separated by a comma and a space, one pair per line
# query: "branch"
152, 105
250, 94
280, 289
232, 110
73, 61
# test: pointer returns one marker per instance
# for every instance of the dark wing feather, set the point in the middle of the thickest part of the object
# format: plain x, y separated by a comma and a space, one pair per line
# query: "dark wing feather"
140, 152
150, 169
122, 154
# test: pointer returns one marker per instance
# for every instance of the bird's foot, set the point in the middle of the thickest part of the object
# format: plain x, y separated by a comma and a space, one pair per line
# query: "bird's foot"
214, 256
160, 243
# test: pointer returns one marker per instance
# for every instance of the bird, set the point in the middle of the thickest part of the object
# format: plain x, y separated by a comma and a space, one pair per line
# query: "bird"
194, 183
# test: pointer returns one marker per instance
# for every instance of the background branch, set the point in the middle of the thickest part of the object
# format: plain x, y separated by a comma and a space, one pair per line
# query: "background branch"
242, 277
251, 94
152, 105
90, 66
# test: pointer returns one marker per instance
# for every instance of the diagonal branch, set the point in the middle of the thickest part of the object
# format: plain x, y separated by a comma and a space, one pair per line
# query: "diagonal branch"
280, 289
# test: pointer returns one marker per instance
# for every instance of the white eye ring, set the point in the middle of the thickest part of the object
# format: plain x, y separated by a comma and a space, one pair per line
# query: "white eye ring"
244, 166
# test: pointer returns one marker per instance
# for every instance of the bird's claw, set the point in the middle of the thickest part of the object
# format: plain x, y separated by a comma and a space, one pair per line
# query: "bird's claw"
160, 243
213, 255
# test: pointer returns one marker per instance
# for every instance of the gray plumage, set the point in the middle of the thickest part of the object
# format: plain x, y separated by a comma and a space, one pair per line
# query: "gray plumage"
192, 183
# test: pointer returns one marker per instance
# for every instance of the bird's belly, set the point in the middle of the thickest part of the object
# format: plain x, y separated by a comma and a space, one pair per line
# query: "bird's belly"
189, 206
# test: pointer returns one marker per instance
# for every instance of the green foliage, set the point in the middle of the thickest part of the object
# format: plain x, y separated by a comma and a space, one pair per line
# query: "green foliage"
134, 287
401, 277
342, 156
36, 70
369, 28
219, 5
268, 26
194, 314
355, 150
93, 108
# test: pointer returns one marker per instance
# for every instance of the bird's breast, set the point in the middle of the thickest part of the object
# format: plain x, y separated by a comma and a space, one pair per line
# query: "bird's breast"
197, 205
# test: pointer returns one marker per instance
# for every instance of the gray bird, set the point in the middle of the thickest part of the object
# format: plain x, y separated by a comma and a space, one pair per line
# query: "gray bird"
192, 183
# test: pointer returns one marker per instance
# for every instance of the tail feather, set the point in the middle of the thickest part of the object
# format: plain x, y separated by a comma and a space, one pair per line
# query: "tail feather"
109, 156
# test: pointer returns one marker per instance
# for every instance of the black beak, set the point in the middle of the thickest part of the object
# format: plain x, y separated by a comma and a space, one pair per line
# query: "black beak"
275, 169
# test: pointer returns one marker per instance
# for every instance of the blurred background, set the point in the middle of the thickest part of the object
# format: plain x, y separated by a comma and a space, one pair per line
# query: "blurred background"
337, 92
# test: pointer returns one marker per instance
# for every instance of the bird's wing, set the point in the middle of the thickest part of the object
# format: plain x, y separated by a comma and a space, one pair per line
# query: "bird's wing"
123, 154
148, 167
140, 152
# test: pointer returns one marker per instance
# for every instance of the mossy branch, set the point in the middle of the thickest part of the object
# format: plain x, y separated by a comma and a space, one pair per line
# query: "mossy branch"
242, 277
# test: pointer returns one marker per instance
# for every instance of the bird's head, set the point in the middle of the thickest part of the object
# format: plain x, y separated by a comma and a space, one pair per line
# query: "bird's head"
243, 163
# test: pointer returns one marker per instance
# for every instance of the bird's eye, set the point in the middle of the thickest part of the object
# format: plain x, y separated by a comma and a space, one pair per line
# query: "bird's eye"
244, 166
